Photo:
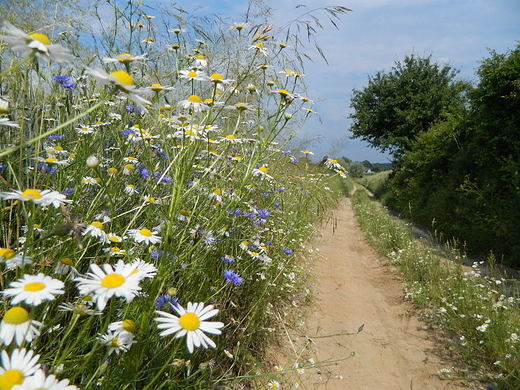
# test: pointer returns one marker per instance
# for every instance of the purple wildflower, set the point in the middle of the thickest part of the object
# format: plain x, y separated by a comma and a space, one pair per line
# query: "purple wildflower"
233, 277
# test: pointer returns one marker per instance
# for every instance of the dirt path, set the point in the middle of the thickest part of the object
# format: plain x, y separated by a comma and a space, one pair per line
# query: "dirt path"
395, 350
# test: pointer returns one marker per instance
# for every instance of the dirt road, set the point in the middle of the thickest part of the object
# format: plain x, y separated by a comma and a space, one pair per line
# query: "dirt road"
395, 350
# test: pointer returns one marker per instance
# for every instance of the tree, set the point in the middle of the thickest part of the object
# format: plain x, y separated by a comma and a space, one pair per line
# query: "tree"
398, 105
356, 170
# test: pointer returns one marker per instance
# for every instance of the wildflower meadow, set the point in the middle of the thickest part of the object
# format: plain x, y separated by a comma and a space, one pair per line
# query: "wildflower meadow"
153, 206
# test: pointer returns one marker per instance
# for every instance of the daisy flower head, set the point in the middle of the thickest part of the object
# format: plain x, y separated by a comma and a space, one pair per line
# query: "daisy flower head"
200, 61
34, 289
37, 44
117, 342
125, 326
262, 172
143, 269
39, 381
16, 325
96, 230
191, 75
190, 323
218, 79
17, 367
103, 284
259, 47
194, 103
12, 259
126, 58
123, 82
43, 198
144, 235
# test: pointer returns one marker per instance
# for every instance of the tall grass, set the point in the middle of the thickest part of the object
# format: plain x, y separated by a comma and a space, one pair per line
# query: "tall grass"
133, 196
478, 310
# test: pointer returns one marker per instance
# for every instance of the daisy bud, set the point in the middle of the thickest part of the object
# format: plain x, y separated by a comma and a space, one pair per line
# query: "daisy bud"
287, 116
92, 162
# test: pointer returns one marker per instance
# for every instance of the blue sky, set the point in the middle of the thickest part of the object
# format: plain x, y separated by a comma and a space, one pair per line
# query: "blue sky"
372, 38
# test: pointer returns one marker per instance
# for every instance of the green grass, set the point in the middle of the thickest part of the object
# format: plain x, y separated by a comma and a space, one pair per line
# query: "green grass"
478, 312
189, 202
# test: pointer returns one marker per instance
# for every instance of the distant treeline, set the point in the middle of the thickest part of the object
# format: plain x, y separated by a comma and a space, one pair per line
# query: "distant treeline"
357, 169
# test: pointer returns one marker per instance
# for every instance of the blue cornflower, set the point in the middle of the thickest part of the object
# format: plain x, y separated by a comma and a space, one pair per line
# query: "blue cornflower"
69, 86
276, 205
61, 79
130, 108
288, 252
227, 259
237, 213
249, 215
165, 179
144, 172
166, 302
55, 137
68, 191
264, 194
293, 160
263, 213
233, 277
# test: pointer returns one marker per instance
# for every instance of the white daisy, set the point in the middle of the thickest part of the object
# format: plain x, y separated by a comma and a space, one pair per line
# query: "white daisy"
34, 289
38, 44
38, 381
43, 198
96, 229
17, 325
191, 74
103, 284
143, 269
6, 122
259, 47
218, 79
16, 368
117, 342
194, 103
144, 235
122, 81
12, 259
125, 326
126, 58
191, 324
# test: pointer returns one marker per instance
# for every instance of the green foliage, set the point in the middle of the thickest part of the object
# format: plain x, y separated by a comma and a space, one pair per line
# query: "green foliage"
463, 173
356, 169
479, 311
397, 106
177, 188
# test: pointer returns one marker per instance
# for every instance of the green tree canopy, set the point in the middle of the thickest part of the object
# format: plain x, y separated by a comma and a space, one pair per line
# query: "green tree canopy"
397, 106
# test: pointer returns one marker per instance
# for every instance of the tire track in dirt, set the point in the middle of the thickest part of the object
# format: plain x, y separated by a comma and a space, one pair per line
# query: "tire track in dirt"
395, 350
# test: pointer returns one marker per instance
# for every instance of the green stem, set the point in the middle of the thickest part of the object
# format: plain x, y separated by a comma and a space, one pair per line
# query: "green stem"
7, 151
16, 66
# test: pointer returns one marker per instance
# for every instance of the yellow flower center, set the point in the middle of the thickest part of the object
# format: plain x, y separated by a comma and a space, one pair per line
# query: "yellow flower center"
192, 74
50, 160
11, 378
6, 253
31, 194
216, 77
283, 92
122, 77
157, 87
260, 45
42, 38
129, 167
16, 316
217, 191
125, 58
97, 225
189, 321
67, 261
58, 148
199, 57
129, 326
112, 280
114, 344
112, 171
184, 212
241, 106
145, 232
263, 169
33, 287
194, 99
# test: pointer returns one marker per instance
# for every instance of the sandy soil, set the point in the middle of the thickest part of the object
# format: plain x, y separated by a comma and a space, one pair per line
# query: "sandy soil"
396, 349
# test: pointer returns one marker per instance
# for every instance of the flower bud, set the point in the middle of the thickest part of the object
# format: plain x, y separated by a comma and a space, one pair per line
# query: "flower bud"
92, 162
